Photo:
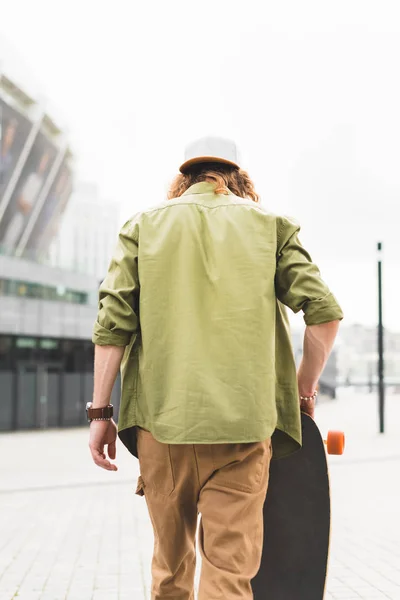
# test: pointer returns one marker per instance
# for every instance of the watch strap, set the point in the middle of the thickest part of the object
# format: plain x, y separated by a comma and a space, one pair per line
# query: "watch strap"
105, 413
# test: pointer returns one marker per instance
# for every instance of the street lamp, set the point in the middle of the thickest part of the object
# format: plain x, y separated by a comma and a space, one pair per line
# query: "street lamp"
381, 382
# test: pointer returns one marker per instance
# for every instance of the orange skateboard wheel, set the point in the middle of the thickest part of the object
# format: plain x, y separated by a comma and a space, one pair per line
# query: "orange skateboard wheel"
335, 442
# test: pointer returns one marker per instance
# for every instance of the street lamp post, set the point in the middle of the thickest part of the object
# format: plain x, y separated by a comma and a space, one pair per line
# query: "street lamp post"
381, 381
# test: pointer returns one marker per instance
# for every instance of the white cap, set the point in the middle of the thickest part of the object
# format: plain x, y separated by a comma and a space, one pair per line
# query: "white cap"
211, 149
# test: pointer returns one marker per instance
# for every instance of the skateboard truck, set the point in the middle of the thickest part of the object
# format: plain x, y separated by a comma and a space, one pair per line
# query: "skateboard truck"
335, 442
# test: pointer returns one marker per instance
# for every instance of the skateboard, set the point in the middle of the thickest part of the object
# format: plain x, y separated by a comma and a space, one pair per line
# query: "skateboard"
297, 520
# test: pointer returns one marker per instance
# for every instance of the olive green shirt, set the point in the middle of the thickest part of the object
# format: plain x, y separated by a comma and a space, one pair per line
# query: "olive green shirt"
196, 292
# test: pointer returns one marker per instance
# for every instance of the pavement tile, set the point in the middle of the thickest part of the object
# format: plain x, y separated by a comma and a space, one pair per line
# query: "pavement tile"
70, 531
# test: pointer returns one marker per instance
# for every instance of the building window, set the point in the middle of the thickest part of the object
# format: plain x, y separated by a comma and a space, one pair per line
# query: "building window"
5, 352
9, 287
69, 356
26, 342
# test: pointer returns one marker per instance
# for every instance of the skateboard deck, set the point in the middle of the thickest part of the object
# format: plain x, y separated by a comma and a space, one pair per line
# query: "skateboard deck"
296, 523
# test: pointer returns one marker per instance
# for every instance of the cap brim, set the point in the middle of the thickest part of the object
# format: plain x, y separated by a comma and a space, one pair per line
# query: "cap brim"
205, 159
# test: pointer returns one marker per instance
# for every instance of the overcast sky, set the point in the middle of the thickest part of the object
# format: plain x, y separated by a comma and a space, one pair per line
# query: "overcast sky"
310, 90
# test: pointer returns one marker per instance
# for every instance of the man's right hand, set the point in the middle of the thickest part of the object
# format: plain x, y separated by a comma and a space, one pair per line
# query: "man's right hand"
103, 433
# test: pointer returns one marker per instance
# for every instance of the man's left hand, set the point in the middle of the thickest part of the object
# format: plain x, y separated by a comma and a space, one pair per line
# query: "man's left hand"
103, 433
308, 407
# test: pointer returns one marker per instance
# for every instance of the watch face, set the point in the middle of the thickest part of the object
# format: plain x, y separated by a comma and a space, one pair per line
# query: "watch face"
88, 405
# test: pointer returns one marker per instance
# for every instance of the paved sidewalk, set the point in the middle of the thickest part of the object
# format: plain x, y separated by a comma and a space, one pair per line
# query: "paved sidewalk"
69, 531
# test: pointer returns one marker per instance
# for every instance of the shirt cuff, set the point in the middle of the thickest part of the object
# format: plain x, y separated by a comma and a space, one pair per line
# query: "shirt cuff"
323, 310
104, 337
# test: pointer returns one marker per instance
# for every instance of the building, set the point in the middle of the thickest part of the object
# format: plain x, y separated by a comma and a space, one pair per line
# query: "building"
358, 356
46, 312
46, 356
87, 234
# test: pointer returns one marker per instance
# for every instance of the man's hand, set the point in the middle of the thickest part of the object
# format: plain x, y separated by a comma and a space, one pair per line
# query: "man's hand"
308, 406
103, 433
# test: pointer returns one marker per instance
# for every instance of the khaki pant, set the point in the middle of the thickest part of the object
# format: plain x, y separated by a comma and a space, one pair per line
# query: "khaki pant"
227, 484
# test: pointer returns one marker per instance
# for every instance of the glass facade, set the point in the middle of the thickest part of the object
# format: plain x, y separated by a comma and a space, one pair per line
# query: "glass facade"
71, 356
11, 287
45, 382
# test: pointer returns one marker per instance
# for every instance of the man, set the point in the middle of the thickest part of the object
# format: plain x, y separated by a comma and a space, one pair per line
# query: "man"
193, 307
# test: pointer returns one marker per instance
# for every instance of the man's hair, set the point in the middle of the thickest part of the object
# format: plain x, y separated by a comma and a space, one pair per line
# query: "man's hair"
223, 176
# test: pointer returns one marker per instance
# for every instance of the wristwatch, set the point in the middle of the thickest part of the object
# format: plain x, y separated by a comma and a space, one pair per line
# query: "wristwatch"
99, 414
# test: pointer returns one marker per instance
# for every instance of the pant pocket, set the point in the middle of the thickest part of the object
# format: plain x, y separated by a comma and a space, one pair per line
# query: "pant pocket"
155, 464
247, 468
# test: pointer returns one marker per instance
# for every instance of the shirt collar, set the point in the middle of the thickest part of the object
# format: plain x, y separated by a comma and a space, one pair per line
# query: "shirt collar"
203, 187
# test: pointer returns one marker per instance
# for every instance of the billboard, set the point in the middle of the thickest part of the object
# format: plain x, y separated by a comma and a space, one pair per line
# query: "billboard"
49, 218
14, 131
26, 193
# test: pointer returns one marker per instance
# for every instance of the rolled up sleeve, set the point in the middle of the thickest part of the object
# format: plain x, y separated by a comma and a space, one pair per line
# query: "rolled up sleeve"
298, 283
118, 315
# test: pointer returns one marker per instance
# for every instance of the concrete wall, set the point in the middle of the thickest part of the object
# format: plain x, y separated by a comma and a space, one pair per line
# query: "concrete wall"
31, 316
24, 270
28, 316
